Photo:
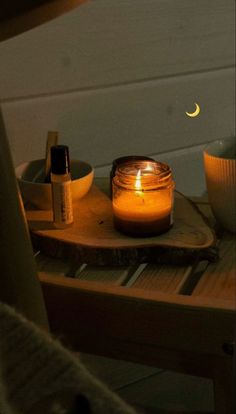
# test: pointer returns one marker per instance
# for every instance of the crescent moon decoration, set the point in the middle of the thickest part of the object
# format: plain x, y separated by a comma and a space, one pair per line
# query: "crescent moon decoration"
195, 113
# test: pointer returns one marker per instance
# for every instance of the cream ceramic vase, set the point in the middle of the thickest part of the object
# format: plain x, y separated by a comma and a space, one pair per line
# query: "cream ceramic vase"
220, 173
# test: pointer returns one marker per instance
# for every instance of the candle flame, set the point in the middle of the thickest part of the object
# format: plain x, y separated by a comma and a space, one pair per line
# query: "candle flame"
138, 185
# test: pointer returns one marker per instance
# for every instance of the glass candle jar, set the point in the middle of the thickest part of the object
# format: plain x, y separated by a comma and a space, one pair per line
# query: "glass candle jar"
142, 198
121, 160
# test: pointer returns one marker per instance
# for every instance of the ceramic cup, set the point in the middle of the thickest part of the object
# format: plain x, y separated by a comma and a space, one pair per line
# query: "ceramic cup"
220, 174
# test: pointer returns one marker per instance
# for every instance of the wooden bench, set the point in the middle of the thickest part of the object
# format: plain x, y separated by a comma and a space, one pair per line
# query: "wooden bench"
177, 317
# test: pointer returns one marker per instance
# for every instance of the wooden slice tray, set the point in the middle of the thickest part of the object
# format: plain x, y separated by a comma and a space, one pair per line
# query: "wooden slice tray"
93, 239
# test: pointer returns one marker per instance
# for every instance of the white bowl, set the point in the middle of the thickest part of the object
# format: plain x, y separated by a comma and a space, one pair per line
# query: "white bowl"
30, 176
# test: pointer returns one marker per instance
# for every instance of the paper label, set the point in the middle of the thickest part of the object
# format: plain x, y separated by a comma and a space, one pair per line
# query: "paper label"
62, 202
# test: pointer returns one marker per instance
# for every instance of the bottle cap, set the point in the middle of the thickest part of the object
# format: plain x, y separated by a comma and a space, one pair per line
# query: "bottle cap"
60, 161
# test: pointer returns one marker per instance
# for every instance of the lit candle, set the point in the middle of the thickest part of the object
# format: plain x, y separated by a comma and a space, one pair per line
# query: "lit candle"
122, 160
143, 198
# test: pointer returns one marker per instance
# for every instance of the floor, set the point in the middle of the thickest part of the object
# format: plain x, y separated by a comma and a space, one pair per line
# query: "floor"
151, 390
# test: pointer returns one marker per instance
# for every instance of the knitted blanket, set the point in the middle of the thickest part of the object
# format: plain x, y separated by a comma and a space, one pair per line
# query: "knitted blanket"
39, 376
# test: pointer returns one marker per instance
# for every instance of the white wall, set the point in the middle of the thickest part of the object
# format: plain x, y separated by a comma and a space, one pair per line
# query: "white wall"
115, 77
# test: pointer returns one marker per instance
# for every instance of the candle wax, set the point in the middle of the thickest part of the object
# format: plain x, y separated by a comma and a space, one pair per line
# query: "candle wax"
141, 206
142, 213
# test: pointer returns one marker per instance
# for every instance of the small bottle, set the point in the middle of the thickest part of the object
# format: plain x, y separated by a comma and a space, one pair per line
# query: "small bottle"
61, 186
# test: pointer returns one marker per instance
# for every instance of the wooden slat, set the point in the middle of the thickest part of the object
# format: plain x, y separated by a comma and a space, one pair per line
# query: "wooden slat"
219, 280
116, 275
163, 278
107, 42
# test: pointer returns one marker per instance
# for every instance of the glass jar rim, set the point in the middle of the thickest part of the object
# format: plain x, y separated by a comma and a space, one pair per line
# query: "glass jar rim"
147, 167
152, 173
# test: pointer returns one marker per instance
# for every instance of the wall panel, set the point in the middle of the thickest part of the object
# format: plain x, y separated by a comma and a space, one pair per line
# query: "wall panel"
144, 118
108, 42
115, 77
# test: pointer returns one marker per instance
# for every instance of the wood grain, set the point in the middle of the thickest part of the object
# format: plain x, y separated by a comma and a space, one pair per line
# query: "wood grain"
93, 239
163, 278
115, 275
